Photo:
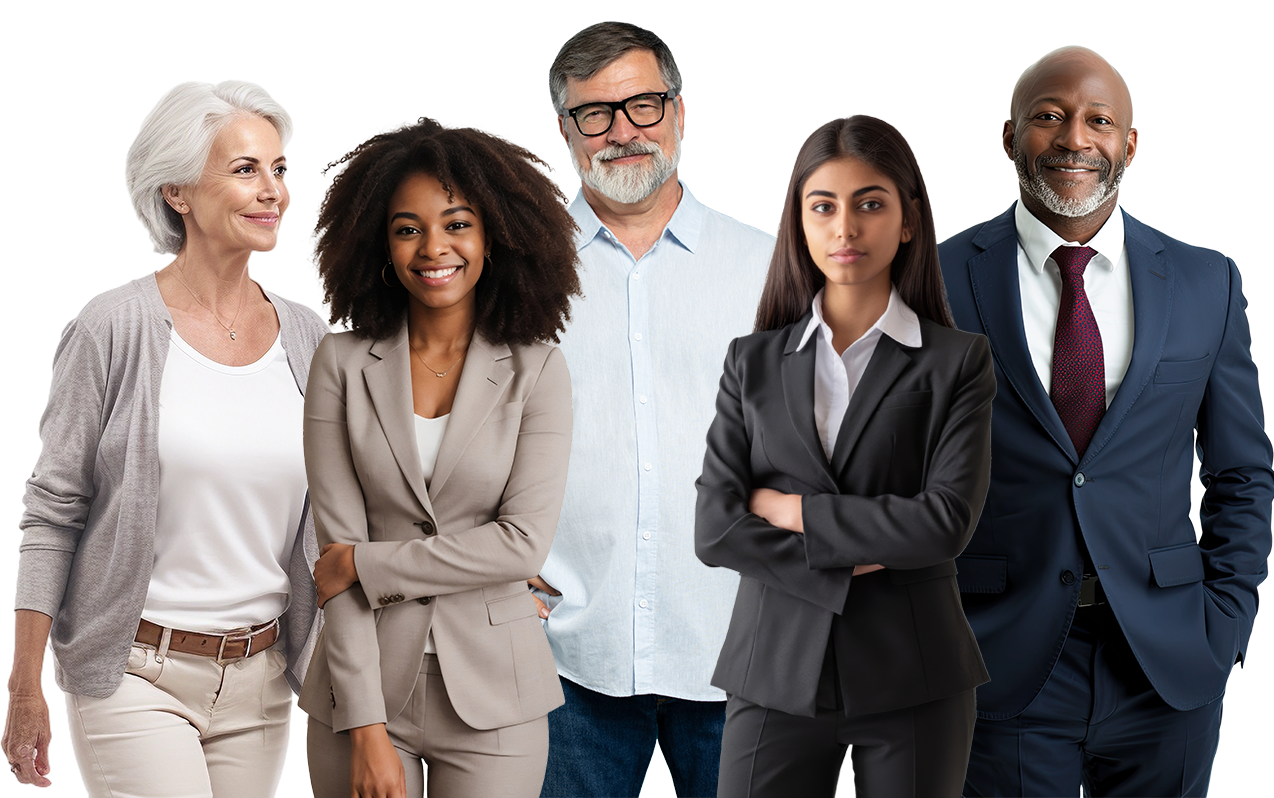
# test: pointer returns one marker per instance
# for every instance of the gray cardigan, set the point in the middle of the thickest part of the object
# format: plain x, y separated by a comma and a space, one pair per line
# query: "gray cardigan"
91, 502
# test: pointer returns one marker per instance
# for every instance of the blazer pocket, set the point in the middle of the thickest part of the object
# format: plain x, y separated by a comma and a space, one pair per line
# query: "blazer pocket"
1177, 565
981, 573
908, 399
1170, 372
913, 575
511, 608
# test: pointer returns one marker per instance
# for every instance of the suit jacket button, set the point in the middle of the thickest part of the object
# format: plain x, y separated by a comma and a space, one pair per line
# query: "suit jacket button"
426, 528
425, 599
384, 601
1080, 479
1068, 578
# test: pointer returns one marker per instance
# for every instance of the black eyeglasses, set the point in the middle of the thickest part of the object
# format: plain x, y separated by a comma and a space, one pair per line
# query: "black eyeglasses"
643, 110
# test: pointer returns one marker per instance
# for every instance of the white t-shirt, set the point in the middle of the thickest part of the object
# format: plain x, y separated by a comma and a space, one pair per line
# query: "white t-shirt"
429, 432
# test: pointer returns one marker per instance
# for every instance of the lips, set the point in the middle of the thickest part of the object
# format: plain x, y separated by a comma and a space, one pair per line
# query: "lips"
439, 275
846, 255
265, 218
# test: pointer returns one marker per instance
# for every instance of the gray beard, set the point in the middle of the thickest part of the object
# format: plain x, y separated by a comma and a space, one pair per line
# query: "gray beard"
631, 184
1036, 187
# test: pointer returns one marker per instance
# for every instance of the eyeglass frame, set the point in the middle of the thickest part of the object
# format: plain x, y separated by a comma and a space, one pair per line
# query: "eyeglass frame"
622, 105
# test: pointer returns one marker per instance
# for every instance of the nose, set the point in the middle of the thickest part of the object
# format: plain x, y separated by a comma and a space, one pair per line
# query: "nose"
622, 129
1073, 135
271, 187
845, 227
433, 246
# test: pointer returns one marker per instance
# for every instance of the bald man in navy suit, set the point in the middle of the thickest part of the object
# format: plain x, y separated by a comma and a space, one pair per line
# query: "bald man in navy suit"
1108, 627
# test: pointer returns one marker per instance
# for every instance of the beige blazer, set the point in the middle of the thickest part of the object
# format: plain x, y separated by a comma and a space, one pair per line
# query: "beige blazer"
454, 558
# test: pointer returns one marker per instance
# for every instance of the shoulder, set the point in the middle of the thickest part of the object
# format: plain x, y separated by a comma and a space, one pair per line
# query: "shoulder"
746, 232
298, 321
1137, 233
135, 303
739, 243
965, 355
766, 344
962, 245
536, 358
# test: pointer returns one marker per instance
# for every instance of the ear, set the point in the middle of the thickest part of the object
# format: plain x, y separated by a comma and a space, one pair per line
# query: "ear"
907, 232
680, 104
1132, 146
172, 195
561, 128
1007, 136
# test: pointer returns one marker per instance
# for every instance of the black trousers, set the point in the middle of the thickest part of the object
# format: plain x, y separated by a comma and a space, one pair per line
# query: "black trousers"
916, 752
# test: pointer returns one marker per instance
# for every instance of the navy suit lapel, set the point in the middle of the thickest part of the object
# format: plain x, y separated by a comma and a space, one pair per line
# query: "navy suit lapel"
797, 375
998, 295
1152, 277
887, 362
389, 384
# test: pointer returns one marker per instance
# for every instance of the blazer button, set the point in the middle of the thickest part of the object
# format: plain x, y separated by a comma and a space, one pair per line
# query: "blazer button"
426, 528
1080, 479
384, 601
425, 599
1068, 577
397, 597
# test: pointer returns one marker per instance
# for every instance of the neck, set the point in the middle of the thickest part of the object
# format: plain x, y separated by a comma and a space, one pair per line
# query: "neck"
217, 278
851, 310
638, 226
1079, 229
441, 330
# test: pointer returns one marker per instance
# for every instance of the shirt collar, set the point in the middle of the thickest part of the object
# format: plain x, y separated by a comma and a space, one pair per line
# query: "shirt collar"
898, 321
1038, 241
685, 225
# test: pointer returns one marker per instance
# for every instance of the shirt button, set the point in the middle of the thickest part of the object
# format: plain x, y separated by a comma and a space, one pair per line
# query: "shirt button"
1080, 479
646, 466
636, 336
645, 536
636, 275
642, 399
1068, 577
642, 604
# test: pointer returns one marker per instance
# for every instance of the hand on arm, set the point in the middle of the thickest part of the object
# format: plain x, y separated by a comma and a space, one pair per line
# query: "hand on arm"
375, 771
26, 731
335, 572
783, 510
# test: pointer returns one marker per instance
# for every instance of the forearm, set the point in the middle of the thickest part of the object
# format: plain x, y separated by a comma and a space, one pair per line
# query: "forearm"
31, 636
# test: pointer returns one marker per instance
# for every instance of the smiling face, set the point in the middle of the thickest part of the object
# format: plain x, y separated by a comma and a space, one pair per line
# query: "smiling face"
852, 216
436, 242
239, 200
1071, 136
626, 164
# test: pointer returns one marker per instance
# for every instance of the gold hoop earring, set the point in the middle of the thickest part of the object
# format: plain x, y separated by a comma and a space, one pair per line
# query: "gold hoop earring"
387, 265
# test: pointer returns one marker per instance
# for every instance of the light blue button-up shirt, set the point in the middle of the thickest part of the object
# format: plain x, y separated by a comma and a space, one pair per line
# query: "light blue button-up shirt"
639, 613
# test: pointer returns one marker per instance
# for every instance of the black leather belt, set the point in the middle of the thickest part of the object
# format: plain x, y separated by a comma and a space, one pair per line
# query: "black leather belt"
1091, 593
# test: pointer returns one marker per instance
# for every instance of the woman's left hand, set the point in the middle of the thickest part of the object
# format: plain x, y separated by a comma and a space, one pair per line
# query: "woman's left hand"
334, 572
782, 510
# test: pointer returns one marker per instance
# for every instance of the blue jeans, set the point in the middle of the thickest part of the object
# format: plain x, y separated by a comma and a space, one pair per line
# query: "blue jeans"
600, 746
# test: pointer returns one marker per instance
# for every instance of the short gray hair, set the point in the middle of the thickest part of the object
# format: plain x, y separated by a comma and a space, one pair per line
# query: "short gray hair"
597, 46
173, 145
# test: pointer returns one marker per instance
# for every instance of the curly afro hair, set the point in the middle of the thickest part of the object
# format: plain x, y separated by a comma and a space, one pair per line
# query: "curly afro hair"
523, 294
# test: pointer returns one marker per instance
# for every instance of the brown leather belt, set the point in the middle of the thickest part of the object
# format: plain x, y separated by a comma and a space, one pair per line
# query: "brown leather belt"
230, 646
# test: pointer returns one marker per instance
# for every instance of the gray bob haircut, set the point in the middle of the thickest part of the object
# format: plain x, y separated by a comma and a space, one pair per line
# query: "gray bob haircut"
174, 142
597, 46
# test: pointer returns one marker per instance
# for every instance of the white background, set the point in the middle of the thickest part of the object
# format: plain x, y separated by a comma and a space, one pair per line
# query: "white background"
79, 78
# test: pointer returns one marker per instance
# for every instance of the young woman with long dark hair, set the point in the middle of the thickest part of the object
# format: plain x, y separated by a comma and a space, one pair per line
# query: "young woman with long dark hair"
845, 470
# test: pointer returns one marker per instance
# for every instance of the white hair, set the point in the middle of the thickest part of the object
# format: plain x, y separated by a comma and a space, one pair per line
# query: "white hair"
174, 142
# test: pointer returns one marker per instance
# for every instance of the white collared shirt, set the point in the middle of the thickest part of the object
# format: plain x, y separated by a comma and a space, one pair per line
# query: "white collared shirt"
1107, 282
836, 377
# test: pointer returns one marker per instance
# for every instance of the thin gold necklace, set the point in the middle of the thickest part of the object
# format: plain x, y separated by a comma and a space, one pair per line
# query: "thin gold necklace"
436, 372
228, 327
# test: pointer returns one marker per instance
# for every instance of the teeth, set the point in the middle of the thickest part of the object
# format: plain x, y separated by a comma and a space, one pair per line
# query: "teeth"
439, 272
1068, 169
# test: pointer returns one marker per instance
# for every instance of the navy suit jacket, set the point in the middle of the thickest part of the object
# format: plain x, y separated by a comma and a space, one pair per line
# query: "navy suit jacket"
1186, 606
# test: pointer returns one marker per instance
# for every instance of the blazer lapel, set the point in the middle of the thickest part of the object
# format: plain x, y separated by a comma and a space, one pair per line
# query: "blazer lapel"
1152, 278
797, 376
389, 383
887, 362
483, 382
998, 296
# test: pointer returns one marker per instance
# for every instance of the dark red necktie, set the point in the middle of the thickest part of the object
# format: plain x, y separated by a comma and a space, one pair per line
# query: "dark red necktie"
1079, 368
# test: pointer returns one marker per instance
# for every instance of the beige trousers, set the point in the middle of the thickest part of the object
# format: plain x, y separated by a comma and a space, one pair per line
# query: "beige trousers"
185, 727
463, 762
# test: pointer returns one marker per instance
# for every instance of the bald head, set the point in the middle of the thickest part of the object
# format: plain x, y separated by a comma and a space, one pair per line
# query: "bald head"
1070, 66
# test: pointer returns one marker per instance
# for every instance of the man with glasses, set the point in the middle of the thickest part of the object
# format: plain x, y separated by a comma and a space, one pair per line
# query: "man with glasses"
636, 621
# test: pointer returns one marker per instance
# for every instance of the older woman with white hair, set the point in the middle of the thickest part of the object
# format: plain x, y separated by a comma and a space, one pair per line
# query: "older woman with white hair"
168, 546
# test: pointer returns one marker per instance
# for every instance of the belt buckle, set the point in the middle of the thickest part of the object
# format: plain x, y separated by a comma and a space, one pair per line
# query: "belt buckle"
1089, 590
247, 635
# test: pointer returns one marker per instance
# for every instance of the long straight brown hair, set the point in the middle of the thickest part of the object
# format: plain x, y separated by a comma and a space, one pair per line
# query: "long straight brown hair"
794, 278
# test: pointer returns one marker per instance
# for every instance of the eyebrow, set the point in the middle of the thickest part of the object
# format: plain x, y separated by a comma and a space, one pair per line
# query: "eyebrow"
447, 212
858, 193
1056, 101
255, 161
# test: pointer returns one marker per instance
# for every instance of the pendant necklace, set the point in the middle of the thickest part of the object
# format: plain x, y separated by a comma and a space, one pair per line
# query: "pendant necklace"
432, 370
227, 327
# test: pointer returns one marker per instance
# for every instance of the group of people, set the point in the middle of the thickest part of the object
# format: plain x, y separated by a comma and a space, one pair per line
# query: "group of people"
511, 560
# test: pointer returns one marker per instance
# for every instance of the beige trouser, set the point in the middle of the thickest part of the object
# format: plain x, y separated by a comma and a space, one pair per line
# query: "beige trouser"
464, 762
185, 727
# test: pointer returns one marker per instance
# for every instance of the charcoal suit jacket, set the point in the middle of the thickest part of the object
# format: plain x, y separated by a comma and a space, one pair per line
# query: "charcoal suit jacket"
904, 489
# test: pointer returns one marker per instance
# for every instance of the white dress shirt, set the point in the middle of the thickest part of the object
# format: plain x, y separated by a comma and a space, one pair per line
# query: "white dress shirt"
836, 377
1107, 282
639, 614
